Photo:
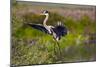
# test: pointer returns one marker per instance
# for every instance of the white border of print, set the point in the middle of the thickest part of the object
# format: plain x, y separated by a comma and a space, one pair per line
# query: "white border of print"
5, 34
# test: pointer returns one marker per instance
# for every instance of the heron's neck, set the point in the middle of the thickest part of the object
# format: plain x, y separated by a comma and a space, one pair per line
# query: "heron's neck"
45, 20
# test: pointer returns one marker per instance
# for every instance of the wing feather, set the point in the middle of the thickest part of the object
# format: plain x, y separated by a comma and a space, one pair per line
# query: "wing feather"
60, 30
39, 27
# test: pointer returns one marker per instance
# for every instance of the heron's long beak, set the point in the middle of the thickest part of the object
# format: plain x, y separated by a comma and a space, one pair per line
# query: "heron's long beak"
41, 14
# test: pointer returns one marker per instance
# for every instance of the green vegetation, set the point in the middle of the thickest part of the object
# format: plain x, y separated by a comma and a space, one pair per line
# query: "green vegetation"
30, 46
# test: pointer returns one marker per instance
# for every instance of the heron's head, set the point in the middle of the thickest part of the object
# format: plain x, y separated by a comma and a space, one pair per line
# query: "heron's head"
45, 12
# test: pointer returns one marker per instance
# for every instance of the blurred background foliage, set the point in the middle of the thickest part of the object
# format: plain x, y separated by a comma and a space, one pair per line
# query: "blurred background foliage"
29, 46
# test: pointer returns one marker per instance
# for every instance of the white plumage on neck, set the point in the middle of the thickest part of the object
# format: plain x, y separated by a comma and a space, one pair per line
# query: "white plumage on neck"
45, 20
44, 23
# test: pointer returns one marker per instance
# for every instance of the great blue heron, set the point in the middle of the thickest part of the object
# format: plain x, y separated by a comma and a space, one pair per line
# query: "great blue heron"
56, 31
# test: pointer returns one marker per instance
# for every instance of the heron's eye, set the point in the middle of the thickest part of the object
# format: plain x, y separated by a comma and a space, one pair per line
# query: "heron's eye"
45, 11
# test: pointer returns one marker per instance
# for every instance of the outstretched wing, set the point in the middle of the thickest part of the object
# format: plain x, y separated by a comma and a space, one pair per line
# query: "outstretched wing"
60, 30
39, 27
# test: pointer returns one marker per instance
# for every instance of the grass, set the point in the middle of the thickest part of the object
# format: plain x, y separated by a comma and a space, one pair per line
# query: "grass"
30, 46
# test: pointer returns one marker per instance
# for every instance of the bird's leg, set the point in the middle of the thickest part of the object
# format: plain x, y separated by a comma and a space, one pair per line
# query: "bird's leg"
54, 47
59, 47
60, 53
